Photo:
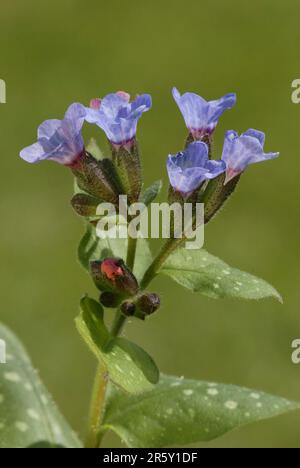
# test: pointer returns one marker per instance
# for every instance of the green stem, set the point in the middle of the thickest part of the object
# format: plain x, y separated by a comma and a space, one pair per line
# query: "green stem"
120, 319
118, 323
131, 251
93, 438
157, 263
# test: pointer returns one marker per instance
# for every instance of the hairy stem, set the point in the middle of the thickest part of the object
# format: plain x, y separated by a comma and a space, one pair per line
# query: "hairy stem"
131, 251
97, 405
118, 323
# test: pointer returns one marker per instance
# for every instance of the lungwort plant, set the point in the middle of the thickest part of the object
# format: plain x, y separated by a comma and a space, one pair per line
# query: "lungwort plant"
130, 396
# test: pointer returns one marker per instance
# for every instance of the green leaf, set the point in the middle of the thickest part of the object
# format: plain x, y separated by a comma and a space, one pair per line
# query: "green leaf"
92, 247
28, 415
202, 272
45, 444
128, 365
151, 193
180, 412
84, 204
87, 246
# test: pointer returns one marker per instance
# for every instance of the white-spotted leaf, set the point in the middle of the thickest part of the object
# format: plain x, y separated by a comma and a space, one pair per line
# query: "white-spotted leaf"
28, 416
180, 412
128, 365
202, 272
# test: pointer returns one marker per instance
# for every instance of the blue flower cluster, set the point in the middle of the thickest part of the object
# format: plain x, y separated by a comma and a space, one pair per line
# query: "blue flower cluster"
117, 116
189, 169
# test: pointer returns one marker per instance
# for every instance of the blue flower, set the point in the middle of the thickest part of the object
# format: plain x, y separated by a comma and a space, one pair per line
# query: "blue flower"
188, 169
240, 151
59, 140
117, 116
201, 116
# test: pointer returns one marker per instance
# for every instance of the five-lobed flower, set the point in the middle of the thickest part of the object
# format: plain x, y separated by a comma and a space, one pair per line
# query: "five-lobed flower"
118, 117
241, 151
201, 116
188, 169
59, 140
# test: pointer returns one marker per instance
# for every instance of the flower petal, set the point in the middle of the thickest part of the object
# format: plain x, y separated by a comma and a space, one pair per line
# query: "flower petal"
260, 136
33, 153
193, 108
76, 114
48, 128
216, 108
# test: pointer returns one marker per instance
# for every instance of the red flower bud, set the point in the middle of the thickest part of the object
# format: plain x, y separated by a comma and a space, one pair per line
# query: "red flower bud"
111, 274
111, 269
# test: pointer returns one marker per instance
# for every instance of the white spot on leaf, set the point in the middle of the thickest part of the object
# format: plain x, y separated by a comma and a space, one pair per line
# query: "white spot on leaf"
33, 414
44, 399
232, 405
12, 377
21, 426
188, 392
212, 391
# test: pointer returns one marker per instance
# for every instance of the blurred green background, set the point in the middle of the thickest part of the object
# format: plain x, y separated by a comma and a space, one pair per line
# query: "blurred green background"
53, 54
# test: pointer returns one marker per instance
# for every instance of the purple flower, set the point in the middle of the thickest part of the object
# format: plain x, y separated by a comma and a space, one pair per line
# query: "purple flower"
201, 116
188, 169
59, 140
240, 151
117, 116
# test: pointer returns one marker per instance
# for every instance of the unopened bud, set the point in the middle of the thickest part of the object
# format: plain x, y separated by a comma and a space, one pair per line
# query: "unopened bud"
148, 303
95, 103
109, 299
111, 274
128, 308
